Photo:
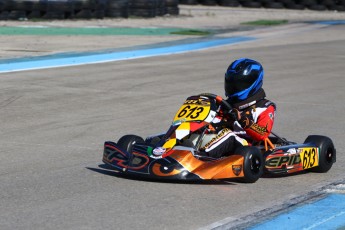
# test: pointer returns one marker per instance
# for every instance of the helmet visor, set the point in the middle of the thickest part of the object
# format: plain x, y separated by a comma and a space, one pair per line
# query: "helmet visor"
233, 86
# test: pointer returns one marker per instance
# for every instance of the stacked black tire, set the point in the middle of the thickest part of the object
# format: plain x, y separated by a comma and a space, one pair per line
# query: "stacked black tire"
152, 8
338, 5
87, 9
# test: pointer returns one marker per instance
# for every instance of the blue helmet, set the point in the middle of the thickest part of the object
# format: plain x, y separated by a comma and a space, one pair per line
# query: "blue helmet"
243, 78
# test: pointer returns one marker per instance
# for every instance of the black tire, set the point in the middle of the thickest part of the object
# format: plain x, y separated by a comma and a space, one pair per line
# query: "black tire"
327, 154
84, 4
263, 2
143, 8
327, 3
250, 4
62, 6
173, 10
58, 9
144, 13
101, 4
208, 2
119, 13
99, 14
230, 3
4, 15
189, 2
23, 5
337, 8
2, 5
161, 8
83, 14
317, 7
171, 3
34, 14
54, 15
6, 5
143, 4
37, 5
286, 1
117, 4
17, 14
171, 7
161, 11
117, 9
253, 165
294, 6
126, 142
274, 5
307, 3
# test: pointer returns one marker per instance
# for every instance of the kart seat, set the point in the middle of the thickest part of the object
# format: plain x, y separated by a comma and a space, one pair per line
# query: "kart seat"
187, 143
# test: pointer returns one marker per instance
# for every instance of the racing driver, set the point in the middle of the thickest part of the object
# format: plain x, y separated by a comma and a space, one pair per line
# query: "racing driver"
252, 116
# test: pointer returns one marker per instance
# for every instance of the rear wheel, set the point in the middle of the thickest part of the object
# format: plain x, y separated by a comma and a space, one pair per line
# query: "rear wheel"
253, 165
126, 142
327, 154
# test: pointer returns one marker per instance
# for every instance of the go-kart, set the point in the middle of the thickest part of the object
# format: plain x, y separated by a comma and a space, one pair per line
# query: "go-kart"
174, 154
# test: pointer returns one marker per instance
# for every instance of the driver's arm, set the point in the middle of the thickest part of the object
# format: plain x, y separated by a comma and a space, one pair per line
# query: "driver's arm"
260, 129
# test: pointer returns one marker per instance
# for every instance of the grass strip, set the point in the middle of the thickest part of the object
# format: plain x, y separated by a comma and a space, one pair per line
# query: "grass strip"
265, 22
191, 32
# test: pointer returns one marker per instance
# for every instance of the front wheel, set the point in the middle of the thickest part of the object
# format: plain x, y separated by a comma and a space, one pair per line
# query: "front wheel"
126, 142
253, 164
327, 152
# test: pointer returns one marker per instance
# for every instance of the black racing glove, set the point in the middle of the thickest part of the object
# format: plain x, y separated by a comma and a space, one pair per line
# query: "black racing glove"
245, 121
234, 114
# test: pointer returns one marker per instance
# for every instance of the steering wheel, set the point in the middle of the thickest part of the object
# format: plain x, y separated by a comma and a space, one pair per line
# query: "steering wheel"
219, 100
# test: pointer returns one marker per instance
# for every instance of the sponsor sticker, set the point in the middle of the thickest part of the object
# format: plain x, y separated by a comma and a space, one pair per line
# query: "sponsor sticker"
237, 169
158, 151
219, 136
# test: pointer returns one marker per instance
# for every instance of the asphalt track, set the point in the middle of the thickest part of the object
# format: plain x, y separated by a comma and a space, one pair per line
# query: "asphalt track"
54, 122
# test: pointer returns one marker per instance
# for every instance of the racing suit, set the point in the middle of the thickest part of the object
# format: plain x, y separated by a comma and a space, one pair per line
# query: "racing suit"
255, 124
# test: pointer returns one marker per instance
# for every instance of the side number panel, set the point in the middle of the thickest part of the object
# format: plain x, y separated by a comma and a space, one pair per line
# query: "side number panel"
309, 157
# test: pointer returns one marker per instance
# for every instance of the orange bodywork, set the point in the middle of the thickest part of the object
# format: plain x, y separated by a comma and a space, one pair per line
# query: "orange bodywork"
218, 169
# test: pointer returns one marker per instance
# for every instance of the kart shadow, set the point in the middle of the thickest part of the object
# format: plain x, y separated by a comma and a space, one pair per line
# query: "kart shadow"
109, 171
267, 175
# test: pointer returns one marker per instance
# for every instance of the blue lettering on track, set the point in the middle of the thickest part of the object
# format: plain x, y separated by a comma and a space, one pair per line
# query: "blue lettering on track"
59, 60
326, 214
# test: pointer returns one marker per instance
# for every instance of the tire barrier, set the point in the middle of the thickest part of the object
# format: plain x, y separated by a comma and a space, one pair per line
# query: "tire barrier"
143, 8
334, 5
172, 7
85, 9
117, 9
